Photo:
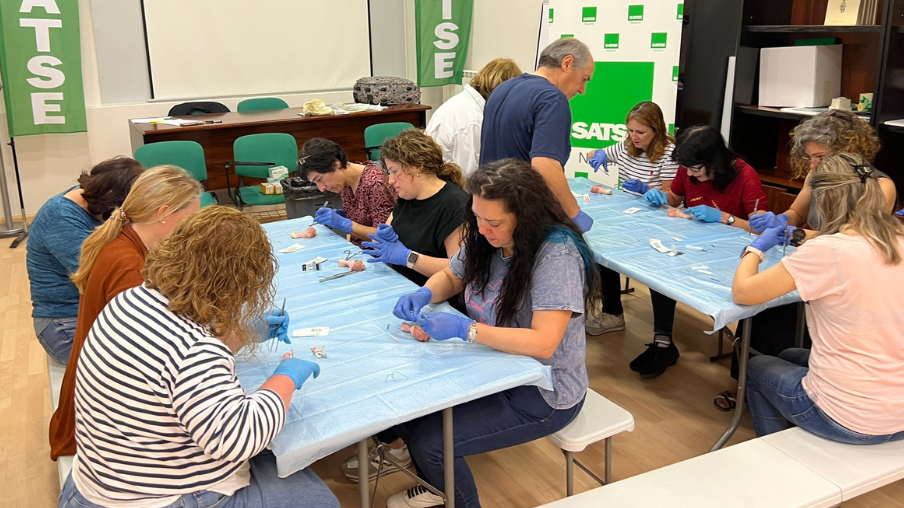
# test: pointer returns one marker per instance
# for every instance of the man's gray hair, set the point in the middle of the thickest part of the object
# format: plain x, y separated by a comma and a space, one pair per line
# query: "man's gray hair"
552, 55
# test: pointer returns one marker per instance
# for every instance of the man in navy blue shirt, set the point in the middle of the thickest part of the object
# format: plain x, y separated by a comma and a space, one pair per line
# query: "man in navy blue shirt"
528, 118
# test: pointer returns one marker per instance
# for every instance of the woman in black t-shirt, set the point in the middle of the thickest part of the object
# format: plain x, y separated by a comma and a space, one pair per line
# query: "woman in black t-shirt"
424, 230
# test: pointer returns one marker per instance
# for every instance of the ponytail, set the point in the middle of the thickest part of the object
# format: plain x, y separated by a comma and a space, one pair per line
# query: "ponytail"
104, 234
450, 172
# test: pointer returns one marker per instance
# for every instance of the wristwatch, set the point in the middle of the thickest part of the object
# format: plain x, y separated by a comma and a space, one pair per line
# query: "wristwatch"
798, 236
412, 259
472, 331
730, 220
753, 250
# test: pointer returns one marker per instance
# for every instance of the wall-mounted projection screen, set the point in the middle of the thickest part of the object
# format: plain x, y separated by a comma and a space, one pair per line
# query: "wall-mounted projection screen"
221, 48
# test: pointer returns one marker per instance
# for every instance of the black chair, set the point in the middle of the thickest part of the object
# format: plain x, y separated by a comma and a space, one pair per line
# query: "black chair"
197, 108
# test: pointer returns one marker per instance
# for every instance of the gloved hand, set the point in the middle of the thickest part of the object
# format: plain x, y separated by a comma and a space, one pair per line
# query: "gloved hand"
655, 197
583, 221
273, 326
385, 251
330, 217
385, 233
599, 159
772, 237
767, 220
409, 306
444, 326
636, 186
297, 370
705, 213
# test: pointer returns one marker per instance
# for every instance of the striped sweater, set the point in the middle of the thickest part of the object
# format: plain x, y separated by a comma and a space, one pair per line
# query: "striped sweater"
159, 410
640, 168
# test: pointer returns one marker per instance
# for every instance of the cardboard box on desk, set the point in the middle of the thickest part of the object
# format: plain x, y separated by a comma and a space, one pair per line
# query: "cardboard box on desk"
800, 76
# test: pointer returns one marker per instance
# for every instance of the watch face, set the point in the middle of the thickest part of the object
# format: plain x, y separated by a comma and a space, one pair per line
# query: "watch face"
730, 220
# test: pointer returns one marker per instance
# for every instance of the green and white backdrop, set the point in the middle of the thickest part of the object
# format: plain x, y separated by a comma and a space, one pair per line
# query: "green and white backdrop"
635, 45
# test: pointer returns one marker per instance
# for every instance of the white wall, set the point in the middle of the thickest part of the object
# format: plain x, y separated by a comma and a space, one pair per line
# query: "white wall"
50, 163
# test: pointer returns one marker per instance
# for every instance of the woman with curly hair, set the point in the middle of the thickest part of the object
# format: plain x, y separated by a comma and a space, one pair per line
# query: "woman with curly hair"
813, 140
160, 358
525, 271
111, 261
54, 241
850, 387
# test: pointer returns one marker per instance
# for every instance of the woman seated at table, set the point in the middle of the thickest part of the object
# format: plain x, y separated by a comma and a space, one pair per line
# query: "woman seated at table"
160, 358
717, 187
850, 386
813, 140
111, 261
644, 162
366, 196
54, 241
525, 271
425, 231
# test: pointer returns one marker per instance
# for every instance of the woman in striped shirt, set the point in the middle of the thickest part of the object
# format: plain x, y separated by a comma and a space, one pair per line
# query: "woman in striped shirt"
161, 419
644, 162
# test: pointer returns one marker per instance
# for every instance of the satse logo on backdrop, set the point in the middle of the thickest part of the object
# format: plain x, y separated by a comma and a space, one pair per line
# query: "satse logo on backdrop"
44, 66
658, 40
598, 116
635, 13
610, 41
588, 15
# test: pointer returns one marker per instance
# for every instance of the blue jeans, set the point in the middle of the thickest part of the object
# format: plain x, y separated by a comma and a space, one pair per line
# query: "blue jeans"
267, 490
494, 422
56, 336
777, 399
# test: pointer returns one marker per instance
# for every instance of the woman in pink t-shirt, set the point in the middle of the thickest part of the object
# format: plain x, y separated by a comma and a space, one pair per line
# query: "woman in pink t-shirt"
850, 386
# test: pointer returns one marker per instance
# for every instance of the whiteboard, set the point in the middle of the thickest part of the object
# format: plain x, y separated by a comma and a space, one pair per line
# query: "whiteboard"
222, 48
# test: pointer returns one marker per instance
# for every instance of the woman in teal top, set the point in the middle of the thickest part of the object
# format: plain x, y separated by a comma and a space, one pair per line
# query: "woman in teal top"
54, 244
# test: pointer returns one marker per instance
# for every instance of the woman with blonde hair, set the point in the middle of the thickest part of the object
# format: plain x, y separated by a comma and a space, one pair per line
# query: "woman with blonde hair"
850, 386
111, 261
160, 358
456, 124
813, 140
644, 162
422, 233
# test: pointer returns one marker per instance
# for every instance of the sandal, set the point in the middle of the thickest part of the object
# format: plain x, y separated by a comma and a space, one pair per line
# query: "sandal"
728, 399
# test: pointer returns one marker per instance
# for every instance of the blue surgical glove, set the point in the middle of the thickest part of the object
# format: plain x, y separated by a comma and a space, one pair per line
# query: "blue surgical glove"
599, 159
444, 326
583, 221
772, 237
655, 197
767, 220
385, 233
636, 186
330, 217
383, 251
705, 213
272, 325
297, 370
409, 306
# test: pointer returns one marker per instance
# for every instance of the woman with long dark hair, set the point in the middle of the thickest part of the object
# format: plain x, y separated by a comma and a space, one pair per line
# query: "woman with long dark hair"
850, 387
715, 186
525, 271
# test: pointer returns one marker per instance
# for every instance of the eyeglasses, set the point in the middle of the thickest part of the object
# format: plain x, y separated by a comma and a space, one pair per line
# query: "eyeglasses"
815, 158
696, 169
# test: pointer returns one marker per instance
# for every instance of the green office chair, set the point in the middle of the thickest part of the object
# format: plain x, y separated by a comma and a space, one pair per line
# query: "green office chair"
375, 135
188, 155
261, 103
263, 151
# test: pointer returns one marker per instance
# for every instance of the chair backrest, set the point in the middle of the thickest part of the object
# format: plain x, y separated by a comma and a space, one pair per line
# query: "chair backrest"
261, 103
188, 155
197, 108
280, 149
375, 135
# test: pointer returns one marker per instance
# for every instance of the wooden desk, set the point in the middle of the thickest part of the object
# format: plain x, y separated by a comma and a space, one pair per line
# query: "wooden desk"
217, 138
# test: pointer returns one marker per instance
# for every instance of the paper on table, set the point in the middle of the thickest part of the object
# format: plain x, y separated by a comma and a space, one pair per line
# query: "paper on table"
317, 331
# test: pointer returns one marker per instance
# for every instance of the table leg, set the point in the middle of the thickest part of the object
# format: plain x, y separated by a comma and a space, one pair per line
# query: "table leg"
449, 457
363, 484
743, 354
801, 325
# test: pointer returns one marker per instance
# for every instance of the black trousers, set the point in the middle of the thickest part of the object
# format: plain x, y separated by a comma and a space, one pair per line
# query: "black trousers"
611, 289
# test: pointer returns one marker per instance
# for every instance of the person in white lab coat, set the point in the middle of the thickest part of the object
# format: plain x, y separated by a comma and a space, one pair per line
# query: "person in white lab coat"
456, 124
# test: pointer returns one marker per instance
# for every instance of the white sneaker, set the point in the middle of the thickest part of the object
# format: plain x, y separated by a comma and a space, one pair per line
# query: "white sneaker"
604, 324
350, 467
415, 497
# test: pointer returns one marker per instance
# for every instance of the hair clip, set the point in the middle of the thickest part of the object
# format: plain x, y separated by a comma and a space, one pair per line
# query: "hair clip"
301, 160
123, 217
864, 171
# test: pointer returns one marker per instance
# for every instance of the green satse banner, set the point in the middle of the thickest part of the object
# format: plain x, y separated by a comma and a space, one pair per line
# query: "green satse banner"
40, 58
443, 32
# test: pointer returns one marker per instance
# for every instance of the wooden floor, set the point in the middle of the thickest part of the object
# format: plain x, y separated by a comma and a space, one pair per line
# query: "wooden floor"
674, 414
